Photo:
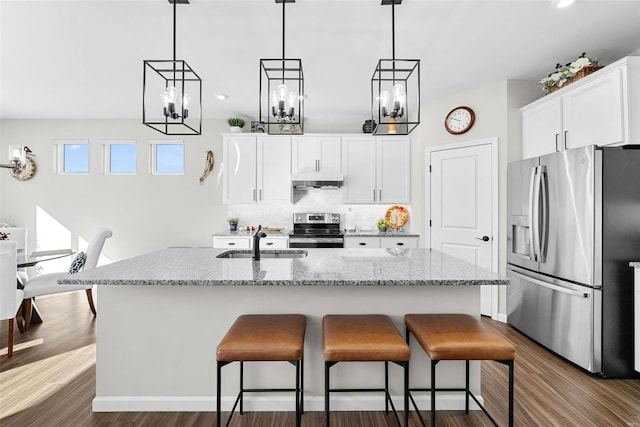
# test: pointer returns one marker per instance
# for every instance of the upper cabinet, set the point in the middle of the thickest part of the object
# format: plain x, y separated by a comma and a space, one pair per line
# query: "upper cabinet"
594, 110
376, 169
317, 158
256, 169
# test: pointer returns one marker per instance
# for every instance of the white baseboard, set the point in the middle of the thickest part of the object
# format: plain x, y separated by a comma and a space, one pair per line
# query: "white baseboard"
501, 318
445, 401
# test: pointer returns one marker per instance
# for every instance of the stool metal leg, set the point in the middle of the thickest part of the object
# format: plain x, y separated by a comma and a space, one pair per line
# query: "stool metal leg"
433, 392
406, 393
302, 385
327, 365
466, 387
511, 391
241, 388
298, 393
386, 387
218, 392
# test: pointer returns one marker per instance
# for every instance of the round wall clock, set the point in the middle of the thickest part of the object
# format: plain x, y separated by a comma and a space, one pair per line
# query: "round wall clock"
459, 120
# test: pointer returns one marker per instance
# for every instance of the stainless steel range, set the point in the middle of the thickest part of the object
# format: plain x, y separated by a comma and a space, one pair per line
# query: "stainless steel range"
316, 230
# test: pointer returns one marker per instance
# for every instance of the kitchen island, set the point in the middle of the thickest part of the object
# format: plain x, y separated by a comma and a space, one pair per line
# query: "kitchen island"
162, 314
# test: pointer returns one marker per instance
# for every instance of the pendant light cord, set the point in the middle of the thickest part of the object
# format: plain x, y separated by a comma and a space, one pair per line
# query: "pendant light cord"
174, 41
393, 30
283, 37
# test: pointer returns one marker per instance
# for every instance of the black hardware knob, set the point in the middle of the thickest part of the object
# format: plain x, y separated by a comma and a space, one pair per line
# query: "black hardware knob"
483, 238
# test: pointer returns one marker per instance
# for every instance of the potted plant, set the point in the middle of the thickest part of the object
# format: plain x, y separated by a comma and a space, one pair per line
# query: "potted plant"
233, 223
236, 124
383, 225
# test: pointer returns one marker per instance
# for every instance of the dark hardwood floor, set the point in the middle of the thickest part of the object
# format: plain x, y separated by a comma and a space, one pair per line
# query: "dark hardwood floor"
50, 381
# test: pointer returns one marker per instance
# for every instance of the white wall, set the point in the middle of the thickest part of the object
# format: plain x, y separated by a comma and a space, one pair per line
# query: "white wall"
496, 107
145, 212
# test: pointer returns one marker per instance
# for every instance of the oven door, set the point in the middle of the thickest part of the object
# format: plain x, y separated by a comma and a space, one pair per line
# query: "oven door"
316, 242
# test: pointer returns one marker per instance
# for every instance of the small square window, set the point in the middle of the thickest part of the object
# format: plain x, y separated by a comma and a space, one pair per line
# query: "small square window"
73, 157
167, 158
120, 157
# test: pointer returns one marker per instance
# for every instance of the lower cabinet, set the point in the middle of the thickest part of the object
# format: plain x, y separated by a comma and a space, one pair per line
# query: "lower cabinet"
381, 242
246, 242
637, 319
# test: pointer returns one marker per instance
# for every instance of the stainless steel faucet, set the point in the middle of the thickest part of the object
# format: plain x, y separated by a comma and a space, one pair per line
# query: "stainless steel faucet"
256, 243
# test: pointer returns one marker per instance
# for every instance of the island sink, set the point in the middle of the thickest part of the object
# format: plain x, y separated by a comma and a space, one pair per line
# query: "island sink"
263, 254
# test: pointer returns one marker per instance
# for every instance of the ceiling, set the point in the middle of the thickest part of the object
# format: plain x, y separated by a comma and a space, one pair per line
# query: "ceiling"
83, 58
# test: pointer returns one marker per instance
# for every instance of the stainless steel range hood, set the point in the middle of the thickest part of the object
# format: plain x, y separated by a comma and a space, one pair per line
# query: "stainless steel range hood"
321, 180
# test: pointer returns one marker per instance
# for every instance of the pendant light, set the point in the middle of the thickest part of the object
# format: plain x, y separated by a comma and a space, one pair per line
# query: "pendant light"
395, 89
172, 93
282, 91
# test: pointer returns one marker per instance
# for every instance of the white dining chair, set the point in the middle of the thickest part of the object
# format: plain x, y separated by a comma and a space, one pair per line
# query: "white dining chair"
10, 296
47, 284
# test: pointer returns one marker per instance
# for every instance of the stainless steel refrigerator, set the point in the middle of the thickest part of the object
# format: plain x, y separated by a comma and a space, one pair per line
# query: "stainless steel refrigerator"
573, 227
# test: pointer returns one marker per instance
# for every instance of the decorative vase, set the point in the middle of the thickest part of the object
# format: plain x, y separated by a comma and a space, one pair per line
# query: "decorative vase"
235, 129
369, 126
382, 229
233, 226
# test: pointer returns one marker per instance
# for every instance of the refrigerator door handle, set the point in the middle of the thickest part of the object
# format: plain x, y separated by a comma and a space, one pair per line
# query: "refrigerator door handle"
544, 220
580, 294
532, 249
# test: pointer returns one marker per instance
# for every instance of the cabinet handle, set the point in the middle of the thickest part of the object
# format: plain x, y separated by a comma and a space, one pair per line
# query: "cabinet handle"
317, 165
379, 195
254, 195
557, 136
362, 244
269, 243
231, 243
374, 195
566, 133
260, 193
399, 244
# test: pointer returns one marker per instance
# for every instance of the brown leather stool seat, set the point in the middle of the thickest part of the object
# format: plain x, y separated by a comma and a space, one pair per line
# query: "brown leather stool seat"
364, 338
263, 337
459, 337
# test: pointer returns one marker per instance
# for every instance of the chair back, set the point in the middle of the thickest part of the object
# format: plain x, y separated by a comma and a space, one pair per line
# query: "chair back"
94, 249
8, 285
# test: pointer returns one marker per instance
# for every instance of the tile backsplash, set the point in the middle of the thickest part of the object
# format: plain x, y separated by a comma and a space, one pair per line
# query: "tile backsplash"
316, 200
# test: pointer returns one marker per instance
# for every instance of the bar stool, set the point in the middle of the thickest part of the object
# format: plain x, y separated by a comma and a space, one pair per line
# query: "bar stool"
458, 337
263, 337
364, 338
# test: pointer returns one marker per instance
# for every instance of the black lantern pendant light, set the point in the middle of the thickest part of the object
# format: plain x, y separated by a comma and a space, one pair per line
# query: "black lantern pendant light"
172, 93
395, 89
282, 91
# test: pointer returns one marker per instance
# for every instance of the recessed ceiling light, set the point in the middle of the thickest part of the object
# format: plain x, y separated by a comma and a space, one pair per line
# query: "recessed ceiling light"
561, 3
222, 96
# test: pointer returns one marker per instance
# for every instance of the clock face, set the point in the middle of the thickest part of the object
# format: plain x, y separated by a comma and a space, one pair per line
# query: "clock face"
459, 120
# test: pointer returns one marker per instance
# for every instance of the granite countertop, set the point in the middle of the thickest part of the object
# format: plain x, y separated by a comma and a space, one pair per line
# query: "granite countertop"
321, 267
242, 233
376, 233
635, 264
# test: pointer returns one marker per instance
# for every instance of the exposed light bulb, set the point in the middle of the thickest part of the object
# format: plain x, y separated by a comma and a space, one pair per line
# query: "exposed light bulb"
186, 99
283, 90
171, 92
399, 94
384, 98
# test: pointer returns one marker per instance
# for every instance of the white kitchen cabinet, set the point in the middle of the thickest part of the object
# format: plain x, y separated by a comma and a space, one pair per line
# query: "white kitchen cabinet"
234, 242
388, 242
256, 169
399, 242
376, 169
361, 242
594, 110
317, 157
246, 242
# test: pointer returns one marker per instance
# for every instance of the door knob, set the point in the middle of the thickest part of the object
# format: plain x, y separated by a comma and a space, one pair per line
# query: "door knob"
483, 238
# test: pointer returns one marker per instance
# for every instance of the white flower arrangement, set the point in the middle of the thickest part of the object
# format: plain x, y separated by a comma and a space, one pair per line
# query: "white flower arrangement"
563, 74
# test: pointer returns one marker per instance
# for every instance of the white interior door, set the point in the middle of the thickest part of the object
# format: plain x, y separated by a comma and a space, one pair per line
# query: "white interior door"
461, 207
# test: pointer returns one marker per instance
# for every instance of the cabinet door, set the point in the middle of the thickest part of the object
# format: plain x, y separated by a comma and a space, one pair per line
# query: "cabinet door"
399, 242
330, 155
361, 242
239, 169
592, 114
274, 169
359, 166
232, 242
394, 169
542, 129
270, 242
306, 155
